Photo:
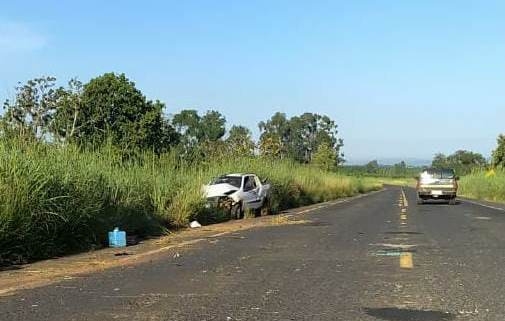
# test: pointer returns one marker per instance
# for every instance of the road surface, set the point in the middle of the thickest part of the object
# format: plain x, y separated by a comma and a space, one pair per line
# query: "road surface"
374, 258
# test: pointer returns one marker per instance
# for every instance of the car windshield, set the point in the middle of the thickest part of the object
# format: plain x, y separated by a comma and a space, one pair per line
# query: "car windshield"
235, 181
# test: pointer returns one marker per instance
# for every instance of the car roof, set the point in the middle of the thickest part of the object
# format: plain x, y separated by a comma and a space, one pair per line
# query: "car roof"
438, 169
238, 174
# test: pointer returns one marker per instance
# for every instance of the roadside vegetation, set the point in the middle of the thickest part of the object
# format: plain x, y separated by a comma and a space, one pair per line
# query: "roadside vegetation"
60, 200
485, 185
480, 179
77, 161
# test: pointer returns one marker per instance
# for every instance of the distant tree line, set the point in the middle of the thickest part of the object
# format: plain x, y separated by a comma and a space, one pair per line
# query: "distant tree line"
464, 161
111, 109
374, 169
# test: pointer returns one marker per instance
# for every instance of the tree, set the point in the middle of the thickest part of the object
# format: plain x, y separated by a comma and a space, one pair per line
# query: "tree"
325, 157
187, 124
439, 161
462, 161
113, 108
32, 111
499, 153
212, 126
66, 119
372, 166
466, 159
239, 141
200, 136
275, 135
300, 136
195, 129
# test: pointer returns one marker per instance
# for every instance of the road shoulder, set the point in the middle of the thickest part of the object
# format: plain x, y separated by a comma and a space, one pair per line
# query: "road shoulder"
492, 205
15, 278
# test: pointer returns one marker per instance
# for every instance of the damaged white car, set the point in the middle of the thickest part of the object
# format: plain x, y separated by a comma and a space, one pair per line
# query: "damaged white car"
237, 193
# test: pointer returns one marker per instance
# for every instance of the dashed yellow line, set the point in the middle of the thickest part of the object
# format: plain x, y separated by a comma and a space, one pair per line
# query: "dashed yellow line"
404, 198
406, 261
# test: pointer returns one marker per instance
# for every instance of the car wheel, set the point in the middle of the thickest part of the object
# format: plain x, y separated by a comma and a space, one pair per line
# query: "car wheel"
236, 211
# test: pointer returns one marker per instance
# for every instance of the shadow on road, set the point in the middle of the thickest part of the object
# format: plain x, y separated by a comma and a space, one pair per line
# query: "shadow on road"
438, 202
395, 314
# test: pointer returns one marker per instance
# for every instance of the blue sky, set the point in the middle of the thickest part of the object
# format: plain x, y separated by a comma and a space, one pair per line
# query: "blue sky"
403, 79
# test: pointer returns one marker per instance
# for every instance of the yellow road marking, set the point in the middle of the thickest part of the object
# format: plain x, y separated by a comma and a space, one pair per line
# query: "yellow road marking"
406, 261
405, 201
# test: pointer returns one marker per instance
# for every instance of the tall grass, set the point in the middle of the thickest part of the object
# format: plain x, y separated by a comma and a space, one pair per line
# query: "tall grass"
484, 185
57, 200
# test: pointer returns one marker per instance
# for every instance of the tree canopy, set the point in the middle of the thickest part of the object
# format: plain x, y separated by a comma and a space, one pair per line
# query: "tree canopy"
32, 111
499, 153
299, 137
111, 109
462, 161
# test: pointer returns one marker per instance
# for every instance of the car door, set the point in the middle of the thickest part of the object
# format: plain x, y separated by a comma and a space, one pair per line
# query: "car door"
250, 193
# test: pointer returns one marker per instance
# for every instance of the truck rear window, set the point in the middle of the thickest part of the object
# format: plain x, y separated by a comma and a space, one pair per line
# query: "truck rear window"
438, 173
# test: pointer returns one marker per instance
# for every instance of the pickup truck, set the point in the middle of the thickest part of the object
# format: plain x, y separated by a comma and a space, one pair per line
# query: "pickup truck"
436, 183
237, 193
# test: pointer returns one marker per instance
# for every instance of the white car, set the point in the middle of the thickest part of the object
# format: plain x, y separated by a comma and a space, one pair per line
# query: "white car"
237, 193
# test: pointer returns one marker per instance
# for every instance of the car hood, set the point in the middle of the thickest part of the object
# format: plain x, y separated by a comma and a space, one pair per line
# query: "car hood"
219, 190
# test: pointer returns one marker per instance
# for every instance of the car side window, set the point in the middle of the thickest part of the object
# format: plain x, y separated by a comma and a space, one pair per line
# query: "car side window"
248, 184
253, 182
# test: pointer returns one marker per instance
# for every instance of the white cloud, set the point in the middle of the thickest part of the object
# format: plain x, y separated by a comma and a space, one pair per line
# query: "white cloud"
19, 37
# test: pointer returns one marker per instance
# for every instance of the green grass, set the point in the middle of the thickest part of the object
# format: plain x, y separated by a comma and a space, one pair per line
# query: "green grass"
57, 200
478, 185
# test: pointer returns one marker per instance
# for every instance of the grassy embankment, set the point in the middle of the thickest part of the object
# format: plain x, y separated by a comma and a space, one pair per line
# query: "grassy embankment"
57, 200
484, 185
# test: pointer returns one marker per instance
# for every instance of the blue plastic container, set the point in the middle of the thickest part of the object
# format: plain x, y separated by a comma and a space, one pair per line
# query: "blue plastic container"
117, 238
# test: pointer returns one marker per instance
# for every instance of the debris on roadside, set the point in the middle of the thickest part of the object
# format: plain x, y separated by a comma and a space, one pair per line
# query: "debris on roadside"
121, 254
117, 238
195, 224
132, 240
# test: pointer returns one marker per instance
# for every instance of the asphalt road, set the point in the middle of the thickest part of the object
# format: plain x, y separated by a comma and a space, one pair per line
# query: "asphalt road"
373, 258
